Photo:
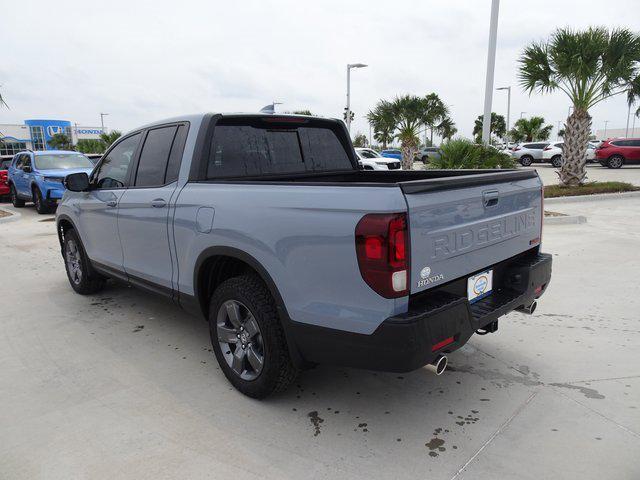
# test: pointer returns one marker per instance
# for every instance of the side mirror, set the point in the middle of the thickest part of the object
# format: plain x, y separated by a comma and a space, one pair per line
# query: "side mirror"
26, 169
77, 182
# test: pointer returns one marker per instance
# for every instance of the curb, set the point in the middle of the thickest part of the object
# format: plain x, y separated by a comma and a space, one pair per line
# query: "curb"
12, 216
587, 198
565, 220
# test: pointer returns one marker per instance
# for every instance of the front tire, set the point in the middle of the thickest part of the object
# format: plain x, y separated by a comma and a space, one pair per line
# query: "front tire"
425, 159
616, 161
248, 338
556, 161
526, 160
15, 200
41, 204
79, 272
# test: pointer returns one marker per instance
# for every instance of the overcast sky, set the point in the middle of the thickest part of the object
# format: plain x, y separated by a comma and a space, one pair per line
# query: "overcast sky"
143, 61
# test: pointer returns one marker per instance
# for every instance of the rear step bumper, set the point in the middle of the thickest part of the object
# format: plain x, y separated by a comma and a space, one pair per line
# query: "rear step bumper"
440, 322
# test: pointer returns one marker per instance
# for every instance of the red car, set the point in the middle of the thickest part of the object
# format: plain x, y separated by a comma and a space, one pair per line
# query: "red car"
4, 185
615, 152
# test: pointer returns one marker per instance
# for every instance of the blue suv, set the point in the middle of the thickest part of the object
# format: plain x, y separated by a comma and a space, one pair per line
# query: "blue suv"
37, 176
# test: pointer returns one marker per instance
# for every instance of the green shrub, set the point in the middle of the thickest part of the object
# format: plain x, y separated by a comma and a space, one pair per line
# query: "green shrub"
462, 153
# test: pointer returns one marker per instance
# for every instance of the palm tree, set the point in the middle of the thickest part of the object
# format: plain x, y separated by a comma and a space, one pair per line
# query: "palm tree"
60, 141
109, 138
589, 66
383, 122
435, 112
446, 128
530, 129
404, 118
409, 114
498, 126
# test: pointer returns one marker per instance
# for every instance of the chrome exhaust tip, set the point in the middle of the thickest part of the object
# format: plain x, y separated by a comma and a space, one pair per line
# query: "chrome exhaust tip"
530, 309
438, 366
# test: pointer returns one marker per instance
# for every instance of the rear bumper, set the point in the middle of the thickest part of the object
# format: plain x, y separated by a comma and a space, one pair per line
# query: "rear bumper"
409, 341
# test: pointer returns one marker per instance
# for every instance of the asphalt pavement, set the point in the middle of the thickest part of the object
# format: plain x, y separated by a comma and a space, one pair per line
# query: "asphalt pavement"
124, 385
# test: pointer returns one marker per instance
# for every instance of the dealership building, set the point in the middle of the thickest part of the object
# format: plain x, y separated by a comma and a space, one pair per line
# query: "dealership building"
35, 134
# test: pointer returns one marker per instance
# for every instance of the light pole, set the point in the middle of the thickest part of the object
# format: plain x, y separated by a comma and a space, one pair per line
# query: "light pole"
102, 115
626, 133
491, 63
508, 89
558, 130
605, 129
349, 67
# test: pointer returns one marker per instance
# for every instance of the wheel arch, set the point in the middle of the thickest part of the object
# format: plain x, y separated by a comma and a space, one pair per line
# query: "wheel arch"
215, 265
63, 224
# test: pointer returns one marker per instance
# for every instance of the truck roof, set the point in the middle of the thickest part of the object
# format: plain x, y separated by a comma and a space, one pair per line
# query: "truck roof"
198, 117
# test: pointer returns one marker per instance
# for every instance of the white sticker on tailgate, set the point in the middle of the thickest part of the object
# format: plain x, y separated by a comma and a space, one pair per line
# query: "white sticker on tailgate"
479, 286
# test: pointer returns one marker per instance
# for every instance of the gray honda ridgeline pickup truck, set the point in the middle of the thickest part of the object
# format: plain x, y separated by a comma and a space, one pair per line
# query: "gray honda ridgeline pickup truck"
265, 225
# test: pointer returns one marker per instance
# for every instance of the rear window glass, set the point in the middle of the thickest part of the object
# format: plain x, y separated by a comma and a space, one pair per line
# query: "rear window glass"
249, 150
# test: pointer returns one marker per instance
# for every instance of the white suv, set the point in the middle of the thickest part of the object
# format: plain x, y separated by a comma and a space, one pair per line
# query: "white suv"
372, 160
529, 152
552, 153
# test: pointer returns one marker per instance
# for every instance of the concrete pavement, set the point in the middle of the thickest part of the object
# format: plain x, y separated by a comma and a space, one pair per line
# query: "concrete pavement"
124, 385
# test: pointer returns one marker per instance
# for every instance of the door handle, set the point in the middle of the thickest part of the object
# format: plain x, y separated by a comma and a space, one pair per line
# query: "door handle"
158, 203
112, 203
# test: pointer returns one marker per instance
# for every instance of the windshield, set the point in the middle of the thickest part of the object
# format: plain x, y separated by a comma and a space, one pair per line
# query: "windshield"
62, 161
369, 154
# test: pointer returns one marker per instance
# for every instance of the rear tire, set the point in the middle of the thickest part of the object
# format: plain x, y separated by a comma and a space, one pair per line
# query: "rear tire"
425, 159
556, 161
15, 201
79, 272
263, 366
615, 161
41, 204
526, 160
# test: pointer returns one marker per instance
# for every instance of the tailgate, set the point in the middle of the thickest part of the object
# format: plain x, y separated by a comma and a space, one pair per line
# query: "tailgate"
461, 225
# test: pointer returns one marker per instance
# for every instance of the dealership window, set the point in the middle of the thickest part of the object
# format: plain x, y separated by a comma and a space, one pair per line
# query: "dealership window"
11, 148
37, 137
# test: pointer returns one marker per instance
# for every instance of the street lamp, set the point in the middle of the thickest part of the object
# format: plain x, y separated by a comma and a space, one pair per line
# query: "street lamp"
508, 89
102, 115
491, 64
605, 129
349, 67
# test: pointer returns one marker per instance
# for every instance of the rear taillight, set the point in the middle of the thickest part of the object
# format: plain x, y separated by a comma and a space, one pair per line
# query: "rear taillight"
382, 247
546, 148
603, 146
516, 149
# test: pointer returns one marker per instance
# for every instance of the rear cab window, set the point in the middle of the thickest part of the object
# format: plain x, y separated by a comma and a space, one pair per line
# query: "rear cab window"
256, 146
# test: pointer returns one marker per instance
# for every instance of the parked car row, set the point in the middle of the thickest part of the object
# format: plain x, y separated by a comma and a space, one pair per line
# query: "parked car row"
369, 159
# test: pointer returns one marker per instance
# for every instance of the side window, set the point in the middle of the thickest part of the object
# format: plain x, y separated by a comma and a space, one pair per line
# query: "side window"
26, 160
175, 157
635, 143
19, 162
112, 172
154, 157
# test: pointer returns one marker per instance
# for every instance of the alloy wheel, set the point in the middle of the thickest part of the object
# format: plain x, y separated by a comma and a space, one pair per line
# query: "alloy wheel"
615, 162
72, 257
240, 339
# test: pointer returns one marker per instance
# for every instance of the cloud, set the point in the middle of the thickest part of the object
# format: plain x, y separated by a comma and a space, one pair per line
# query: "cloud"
142, 61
